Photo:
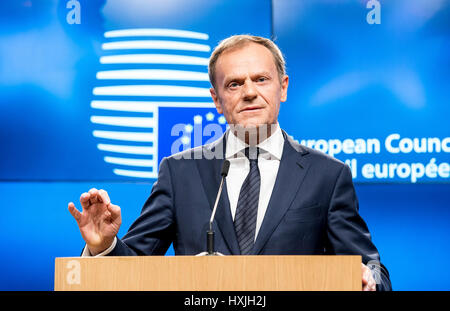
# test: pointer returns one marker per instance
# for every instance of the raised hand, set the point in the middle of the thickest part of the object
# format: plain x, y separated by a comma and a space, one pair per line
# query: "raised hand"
99, 221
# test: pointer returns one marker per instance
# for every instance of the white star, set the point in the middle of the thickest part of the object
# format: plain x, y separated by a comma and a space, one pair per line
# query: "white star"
198, 119
222, 120
185, 140
210, 116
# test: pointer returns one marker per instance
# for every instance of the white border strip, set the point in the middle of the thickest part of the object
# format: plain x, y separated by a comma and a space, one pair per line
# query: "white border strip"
152, 90
128, 136
142, 150
138, 174
159, 32
152, 74
155, 44
124, 121
144, 106
130, 162
154, 59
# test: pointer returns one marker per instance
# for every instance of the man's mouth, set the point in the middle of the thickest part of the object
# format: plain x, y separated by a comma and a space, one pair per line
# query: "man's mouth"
251, 108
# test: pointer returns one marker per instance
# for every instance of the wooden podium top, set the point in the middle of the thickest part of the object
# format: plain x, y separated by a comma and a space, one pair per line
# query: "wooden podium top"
209, 273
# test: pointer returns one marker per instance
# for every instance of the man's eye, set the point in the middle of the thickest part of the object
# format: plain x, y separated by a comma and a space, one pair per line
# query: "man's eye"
233, 84
262, 79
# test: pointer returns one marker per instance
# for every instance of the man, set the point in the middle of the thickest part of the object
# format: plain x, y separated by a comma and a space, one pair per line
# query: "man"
279, 197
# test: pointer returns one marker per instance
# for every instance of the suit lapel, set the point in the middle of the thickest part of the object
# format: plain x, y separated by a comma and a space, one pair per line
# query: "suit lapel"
224, 220
209, 170
291, 173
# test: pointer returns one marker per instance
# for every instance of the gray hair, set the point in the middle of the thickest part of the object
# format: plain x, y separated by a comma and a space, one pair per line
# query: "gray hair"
237, 41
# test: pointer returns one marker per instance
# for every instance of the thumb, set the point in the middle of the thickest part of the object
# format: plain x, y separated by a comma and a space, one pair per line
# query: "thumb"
114, 210
74, 212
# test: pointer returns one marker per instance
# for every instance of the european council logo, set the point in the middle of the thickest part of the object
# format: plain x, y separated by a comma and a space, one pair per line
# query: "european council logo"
142, 71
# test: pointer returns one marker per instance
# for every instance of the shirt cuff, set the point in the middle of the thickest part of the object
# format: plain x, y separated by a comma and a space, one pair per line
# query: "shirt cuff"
87, 253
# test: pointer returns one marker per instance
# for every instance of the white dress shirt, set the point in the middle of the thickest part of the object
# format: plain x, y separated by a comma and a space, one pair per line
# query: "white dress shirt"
271, 150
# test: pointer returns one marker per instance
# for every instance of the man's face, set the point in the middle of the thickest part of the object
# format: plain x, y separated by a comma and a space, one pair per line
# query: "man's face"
248, 90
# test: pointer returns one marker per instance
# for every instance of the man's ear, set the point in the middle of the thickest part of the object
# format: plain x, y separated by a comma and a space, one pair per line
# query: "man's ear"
284, 88
216, 100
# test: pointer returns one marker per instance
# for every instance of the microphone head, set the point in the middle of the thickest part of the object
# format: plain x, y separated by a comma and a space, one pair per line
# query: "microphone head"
225, 168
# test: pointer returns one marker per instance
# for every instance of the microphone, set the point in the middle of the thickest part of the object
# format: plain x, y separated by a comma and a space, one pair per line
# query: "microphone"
210, 232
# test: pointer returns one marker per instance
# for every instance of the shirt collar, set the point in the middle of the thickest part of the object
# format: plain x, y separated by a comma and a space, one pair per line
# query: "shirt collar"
272, 145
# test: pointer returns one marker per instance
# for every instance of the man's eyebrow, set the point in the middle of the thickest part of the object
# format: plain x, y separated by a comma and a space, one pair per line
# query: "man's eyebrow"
231, 78
242, 77
261, 73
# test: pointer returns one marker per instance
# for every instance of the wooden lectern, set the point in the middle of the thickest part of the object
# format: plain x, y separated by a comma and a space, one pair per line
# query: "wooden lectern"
209, 273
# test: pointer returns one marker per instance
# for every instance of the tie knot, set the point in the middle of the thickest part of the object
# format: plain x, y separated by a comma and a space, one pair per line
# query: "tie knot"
252, 153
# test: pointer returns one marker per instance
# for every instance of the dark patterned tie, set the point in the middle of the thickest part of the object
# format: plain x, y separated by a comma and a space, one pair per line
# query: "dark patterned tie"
247, 206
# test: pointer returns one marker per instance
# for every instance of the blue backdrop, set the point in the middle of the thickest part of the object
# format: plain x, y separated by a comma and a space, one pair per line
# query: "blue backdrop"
95, 93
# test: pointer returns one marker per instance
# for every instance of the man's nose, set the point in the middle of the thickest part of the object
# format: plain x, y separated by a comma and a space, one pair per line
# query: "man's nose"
249, 90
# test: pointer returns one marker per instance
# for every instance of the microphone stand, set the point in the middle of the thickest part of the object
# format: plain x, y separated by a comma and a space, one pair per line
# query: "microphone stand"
210, 233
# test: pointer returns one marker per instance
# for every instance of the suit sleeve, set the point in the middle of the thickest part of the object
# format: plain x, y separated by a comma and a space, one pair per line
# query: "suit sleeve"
347, 232
154, 230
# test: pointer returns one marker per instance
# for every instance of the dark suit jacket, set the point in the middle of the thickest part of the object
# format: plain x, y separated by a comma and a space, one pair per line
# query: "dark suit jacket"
313, 209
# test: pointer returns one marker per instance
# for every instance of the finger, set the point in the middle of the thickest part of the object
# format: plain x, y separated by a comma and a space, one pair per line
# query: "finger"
114, 210
366, 286
74, 212
364, 274
104, 197
367, 276
85, 200
372, 284
368, 280
94, 193
106, 215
